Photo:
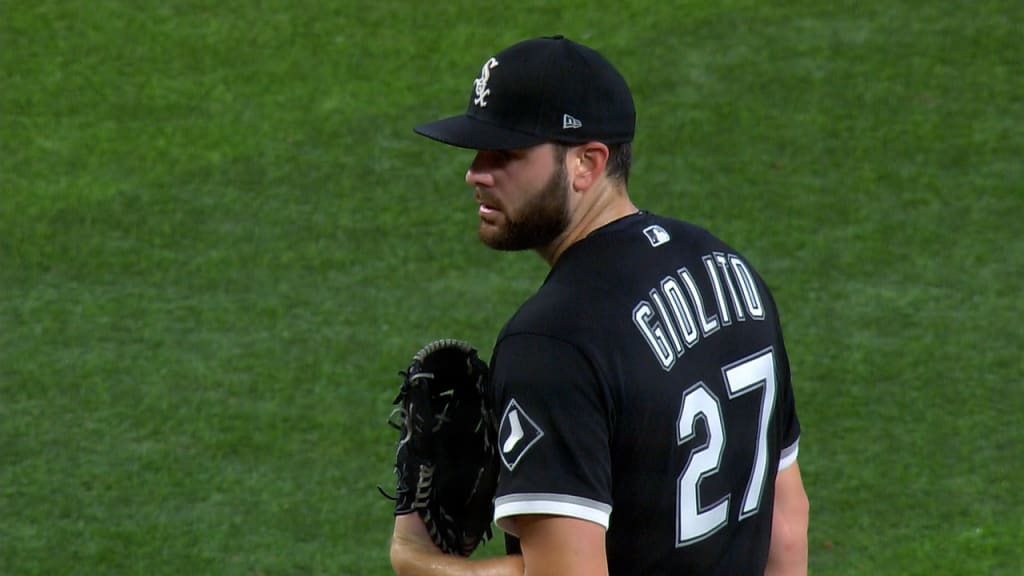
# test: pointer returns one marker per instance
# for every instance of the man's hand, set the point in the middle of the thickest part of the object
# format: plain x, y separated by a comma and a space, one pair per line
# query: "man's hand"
410, 539
413, 553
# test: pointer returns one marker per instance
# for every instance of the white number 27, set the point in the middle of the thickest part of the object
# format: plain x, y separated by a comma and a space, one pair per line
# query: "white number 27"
694, 520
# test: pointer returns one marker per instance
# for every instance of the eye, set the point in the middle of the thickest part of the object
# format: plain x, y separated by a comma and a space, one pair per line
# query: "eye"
515, 153
500, 157
504, 157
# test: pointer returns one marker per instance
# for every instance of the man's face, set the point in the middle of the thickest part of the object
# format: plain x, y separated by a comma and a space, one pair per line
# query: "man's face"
523, 196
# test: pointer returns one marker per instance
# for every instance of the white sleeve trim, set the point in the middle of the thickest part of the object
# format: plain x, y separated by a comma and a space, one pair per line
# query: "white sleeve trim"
788, 456
506, 508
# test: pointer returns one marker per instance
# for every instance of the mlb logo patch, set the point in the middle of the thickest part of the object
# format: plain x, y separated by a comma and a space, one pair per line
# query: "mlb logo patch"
656, 235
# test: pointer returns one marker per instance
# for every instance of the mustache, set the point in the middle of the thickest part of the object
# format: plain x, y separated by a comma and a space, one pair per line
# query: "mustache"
486, 199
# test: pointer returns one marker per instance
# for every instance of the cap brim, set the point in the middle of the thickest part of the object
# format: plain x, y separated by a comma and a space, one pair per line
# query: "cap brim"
468, 132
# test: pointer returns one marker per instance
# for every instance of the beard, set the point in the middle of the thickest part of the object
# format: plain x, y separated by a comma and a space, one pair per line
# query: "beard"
538, 222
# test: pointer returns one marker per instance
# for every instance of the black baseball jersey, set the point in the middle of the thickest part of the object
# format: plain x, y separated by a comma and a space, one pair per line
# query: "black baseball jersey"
646, 387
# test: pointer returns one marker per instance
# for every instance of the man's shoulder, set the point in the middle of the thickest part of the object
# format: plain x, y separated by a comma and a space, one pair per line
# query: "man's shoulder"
546, 312
643, 233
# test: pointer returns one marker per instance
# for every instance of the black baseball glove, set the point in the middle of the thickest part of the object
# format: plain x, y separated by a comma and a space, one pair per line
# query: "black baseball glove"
446, 463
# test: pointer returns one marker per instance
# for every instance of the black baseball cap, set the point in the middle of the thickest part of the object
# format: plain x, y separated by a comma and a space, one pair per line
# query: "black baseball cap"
547, 89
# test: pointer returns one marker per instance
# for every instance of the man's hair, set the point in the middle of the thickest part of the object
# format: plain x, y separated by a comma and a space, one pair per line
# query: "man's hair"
620, 159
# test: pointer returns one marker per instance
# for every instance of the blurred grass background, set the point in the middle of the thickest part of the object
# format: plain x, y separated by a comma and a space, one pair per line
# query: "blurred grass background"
220, 240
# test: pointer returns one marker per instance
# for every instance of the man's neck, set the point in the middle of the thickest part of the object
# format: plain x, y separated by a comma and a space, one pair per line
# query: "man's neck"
609, 205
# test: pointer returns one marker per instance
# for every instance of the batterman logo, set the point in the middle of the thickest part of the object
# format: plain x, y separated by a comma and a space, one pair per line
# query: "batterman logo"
656, 235
516, 434
480, 84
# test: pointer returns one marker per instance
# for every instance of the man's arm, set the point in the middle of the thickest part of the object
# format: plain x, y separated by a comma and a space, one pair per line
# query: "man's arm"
413, 553
788, 553
562, 546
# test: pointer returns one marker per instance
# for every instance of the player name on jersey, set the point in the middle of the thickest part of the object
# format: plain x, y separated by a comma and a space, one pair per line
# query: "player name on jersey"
676, 316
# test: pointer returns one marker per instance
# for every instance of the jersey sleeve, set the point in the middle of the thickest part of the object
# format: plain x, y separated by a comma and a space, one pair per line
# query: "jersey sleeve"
553, 437
789, 424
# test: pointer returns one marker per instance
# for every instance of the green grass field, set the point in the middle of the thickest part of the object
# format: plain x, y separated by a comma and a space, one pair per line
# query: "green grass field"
220, 240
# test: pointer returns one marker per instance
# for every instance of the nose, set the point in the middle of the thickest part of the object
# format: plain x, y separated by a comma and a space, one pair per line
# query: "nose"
479, 173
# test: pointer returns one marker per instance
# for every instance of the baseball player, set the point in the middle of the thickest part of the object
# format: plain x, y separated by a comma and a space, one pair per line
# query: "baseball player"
647, 419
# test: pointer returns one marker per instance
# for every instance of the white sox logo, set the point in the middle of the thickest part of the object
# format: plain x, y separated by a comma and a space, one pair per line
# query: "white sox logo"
517, 433
480, 84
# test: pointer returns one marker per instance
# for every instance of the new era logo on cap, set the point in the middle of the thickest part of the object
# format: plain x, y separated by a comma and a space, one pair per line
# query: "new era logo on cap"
521, 95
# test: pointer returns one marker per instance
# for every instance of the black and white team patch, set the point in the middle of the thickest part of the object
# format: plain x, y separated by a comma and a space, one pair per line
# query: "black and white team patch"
517, 434
656, 235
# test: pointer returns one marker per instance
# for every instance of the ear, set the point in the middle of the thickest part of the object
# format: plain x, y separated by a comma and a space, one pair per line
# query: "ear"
587, 164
